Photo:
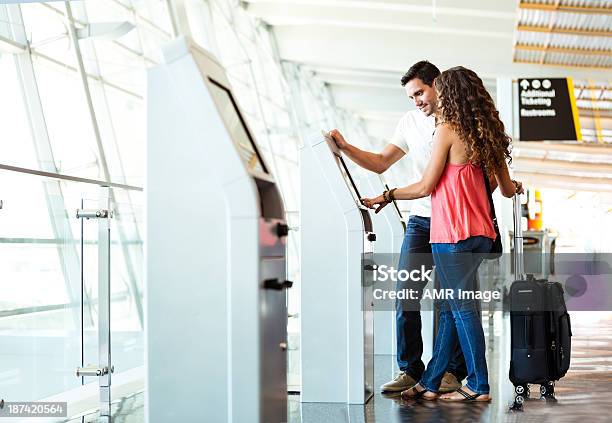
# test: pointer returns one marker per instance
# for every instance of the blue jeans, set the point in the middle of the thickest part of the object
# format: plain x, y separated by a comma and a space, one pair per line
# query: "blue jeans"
456, 268
415, 249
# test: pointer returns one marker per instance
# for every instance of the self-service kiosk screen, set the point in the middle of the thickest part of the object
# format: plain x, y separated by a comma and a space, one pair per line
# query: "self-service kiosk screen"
398, 210
229, 110
347, 176
395, 203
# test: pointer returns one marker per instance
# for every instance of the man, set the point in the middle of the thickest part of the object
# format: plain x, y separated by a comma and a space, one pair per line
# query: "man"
413, 135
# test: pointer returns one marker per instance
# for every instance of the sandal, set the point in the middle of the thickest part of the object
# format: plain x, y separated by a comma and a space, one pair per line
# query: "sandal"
467, 397
414, 393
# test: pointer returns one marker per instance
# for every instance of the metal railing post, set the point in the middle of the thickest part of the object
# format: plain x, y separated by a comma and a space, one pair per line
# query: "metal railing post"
105, 368
104, 304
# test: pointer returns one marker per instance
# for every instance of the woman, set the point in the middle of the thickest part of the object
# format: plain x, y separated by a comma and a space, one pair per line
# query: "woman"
469, 137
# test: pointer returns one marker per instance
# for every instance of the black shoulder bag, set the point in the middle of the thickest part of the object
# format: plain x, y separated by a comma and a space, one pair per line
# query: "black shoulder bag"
496, 248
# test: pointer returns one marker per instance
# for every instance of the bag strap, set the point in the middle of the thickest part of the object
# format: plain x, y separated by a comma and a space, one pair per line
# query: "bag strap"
489, 195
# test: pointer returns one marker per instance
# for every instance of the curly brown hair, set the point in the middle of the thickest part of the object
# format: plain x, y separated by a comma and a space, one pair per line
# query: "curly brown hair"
465, 105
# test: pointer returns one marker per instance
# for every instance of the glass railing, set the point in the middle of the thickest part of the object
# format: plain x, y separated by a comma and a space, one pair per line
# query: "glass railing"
49, 274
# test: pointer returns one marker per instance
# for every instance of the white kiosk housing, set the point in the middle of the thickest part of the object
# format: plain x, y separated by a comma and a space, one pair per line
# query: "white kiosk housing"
389, 236
336, 337
390, 230
215, 254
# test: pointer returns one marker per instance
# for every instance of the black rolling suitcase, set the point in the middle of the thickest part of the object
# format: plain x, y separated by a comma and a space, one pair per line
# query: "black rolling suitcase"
539, 325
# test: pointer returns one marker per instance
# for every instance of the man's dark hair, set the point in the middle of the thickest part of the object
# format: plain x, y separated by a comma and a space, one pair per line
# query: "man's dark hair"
423, 70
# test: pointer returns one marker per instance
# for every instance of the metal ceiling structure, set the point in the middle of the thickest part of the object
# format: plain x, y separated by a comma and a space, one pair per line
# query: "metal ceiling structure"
575, 33
594, 103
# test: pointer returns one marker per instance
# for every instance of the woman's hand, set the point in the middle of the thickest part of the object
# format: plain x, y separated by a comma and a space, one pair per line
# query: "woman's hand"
371, 202
518, 187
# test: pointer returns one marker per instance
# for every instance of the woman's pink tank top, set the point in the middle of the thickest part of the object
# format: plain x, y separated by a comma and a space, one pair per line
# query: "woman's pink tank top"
460, 206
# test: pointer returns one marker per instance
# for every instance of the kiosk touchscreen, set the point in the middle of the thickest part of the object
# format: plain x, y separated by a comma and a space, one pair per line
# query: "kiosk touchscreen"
336, 334
216, 316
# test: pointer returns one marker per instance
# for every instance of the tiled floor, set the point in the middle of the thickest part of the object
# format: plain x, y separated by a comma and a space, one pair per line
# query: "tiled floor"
584, 395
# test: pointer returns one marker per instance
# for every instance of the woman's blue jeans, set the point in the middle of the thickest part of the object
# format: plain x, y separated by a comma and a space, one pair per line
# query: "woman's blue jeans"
456, 269
416, 250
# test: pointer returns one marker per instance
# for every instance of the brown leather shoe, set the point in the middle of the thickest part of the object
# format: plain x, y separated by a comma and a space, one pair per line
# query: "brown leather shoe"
449, 383
401, 382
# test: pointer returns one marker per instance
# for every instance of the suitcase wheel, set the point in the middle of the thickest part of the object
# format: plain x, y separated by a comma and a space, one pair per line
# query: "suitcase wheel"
547, 389
517, 405
522, 390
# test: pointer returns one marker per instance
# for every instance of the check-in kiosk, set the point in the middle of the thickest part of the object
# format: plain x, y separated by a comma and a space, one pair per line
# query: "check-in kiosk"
336, 334
390, 230
216, 311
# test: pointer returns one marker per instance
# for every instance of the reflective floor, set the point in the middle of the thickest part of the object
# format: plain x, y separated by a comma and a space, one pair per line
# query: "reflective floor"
584, 395
128, 410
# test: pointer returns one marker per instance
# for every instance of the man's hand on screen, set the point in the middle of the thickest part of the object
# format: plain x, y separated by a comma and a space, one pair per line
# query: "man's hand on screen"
338, 138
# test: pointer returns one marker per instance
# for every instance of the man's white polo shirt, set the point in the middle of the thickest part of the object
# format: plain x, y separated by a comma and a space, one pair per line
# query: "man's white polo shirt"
414, 136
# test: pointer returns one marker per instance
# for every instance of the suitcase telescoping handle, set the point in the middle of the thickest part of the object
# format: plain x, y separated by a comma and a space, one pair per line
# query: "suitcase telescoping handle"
519, 263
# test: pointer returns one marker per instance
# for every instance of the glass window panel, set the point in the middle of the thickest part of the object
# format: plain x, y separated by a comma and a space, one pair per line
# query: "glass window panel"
47, 32
105, 11
155, 11
5, 27
152, 41
116, 65
131, 40
121, 119
129, 116
16, 144
68, 120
